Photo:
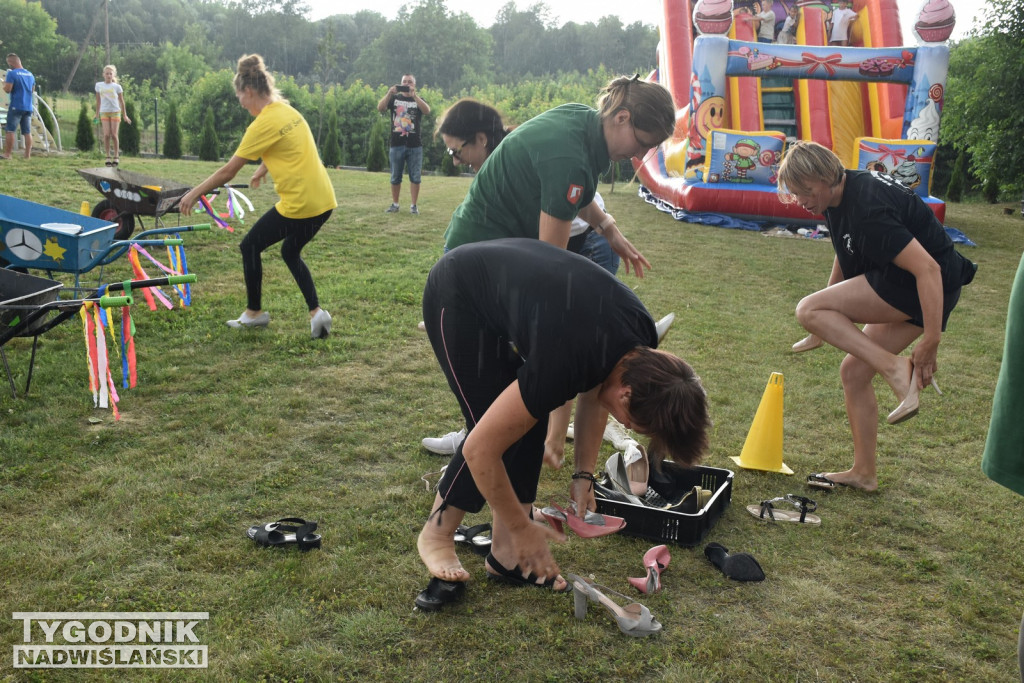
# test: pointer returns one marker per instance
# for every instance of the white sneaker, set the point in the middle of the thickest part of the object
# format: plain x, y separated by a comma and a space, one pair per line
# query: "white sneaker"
445, 445
245, 320
414, 211
570, 433
616, 435
663, 325
320, 324
392, 209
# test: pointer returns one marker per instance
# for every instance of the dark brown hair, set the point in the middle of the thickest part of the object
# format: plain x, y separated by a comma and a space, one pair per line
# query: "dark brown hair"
467, 117
650, 105
667, 403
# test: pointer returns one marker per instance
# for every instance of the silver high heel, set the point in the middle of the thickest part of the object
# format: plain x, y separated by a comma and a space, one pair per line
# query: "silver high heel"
633, 620
909, 406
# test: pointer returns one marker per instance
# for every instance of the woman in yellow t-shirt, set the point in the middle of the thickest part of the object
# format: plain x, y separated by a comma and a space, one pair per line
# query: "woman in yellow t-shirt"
281, 139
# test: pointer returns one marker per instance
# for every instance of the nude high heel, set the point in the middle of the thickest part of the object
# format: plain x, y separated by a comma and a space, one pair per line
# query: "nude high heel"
909, 406
634, 619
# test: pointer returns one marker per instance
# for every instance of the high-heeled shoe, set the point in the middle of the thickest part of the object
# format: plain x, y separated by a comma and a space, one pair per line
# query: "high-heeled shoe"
633, 619
656, 560
909, 406
592, 525
808, 343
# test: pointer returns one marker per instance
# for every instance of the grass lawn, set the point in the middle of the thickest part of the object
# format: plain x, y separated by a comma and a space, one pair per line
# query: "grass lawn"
920, 581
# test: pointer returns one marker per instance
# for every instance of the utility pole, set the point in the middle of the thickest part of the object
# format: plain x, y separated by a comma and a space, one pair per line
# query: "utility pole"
106, 25
85, 44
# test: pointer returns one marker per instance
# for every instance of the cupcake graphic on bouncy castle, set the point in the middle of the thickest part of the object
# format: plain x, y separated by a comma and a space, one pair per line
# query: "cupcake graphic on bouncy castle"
935, 21
713, 16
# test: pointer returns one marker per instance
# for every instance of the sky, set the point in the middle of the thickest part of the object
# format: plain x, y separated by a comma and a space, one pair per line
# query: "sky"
629, 11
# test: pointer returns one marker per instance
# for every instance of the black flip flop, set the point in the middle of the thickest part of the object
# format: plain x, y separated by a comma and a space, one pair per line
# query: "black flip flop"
515, 576
284, 532
439, 593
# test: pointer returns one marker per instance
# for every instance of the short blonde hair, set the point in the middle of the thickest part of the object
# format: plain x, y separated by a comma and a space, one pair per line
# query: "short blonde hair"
805, 162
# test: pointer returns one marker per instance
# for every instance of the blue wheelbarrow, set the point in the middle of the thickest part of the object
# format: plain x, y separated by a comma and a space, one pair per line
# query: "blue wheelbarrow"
54, 240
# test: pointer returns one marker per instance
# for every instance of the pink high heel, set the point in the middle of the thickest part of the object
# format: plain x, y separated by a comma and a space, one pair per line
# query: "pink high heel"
591, 526
656, 560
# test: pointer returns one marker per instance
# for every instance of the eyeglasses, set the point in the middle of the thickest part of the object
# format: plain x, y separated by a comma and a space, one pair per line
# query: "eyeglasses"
646, 147
457, 153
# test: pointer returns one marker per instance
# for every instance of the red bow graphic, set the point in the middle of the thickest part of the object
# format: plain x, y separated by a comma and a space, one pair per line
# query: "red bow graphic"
828, 63
897, 155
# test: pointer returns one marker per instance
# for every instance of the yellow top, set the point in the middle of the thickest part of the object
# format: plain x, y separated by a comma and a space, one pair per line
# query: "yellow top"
282, 139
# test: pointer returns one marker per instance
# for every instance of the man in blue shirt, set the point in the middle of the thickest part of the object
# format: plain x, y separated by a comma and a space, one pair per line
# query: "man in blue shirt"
19, 83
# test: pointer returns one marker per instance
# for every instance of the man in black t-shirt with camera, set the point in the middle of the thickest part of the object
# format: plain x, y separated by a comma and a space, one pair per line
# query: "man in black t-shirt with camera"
406, 109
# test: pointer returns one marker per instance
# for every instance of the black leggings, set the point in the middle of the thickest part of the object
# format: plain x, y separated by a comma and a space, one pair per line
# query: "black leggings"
479, 364
270, 229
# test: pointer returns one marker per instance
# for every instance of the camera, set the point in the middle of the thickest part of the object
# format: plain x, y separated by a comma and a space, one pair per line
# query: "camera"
402, 88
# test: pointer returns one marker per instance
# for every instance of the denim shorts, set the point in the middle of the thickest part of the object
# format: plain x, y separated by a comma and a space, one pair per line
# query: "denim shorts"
16, 116
400, 157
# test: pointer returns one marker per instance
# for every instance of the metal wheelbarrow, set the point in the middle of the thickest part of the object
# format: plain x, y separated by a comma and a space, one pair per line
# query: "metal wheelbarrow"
54, 240
29, 307
130, 195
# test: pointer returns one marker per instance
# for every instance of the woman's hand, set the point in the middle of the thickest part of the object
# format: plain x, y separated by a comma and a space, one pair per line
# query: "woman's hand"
186, 203
925, 360
532, 553
582, 493
629, 254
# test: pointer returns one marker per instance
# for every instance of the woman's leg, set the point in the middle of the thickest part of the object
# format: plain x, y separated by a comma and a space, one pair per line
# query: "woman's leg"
862, 404
300, 234
478, 366
108, 134
833, 314
269, 229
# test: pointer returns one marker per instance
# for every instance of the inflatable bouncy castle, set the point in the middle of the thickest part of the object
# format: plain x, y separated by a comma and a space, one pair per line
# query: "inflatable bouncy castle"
875, 102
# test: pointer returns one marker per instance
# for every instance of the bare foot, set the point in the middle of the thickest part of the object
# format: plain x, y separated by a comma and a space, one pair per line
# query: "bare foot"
437, 550
853, 480
900, 382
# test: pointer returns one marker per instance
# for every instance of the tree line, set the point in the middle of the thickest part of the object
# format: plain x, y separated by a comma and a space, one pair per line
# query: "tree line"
335, 70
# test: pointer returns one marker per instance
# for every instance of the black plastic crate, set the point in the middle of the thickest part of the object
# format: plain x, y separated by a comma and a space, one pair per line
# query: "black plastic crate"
678, 528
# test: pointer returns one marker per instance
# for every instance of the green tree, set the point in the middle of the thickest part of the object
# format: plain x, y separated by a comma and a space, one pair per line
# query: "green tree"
213, 92
446, 49
85, 138
448, 166
377, 156
209, 145
986, 74
991, 190
172, 134
32, 33
955, 191
332, 149
128, 135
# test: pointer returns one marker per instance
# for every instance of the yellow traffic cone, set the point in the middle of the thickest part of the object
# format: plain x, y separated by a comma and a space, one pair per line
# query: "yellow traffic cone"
85, 210
763, 447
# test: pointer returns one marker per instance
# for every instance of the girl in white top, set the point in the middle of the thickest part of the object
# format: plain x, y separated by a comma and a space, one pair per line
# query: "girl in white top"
110, 110
841, 20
